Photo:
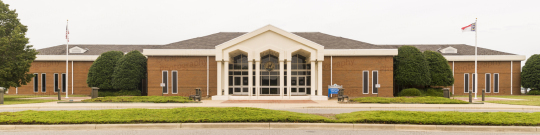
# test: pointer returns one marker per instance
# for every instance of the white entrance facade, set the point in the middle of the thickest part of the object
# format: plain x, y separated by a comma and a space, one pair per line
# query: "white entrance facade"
269, 64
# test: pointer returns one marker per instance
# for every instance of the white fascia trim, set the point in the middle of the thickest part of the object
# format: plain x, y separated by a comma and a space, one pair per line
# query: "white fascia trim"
179, 52
486, 58
63, 57
360, 52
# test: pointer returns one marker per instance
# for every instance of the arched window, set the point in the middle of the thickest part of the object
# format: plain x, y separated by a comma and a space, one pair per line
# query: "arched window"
269, 75
238, 75
300, 75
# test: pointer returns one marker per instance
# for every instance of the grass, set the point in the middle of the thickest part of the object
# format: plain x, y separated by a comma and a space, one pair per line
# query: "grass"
238, 114
16, 99
529, 100
152, 99
177, 115
417, 100
442, 118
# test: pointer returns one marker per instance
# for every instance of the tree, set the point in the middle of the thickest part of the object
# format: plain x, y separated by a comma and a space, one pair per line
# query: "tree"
530, 74
411, 67
101, 71
16, 56
439, 69
129, 71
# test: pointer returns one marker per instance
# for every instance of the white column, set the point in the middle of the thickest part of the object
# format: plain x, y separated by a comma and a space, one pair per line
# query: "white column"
289, 65
250, 78
313, 78
226, 77
257, 77
319, 78
281, 76
219, 78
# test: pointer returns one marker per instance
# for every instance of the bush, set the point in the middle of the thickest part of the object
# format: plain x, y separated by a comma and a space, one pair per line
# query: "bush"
410, 92
534, 92
530, 75
101, 71
119, 93
439, 69
129, 71
411, 67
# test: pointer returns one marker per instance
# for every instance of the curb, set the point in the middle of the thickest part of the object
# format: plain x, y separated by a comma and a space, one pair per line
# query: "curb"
320, 126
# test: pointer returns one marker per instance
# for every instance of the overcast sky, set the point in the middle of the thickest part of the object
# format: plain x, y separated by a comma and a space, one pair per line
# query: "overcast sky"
511, 26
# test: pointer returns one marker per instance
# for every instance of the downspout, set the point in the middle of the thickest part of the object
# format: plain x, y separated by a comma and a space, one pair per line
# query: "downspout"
511, 77
453, 63
72, 74
207, 77
331, 70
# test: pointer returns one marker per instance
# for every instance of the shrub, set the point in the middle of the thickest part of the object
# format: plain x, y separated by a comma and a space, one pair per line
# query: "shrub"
411, 67
129, 71
101, 71
534, 92
441, 74
410, 92
119, 93
530, 75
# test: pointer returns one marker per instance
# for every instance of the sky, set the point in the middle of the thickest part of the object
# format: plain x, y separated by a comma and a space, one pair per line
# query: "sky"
511, 26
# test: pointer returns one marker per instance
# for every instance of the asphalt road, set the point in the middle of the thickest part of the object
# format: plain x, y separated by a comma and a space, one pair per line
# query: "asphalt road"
249, 132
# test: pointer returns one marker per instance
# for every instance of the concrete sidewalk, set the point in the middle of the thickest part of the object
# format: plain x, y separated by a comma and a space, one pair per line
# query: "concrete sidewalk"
330, 104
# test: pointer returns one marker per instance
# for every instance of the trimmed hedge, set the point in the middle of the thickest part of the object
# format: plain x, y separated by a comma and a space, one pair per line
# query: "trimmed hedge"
530, 75
410, 92
101, 71
534, 92
408, 100
129, 71
153, 99
439, 69
411, 67
119, 93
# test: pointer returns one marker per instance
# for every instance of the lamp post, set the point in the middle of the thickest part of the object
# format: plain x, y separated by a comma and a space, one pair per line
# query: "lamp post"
162, 86
377, 86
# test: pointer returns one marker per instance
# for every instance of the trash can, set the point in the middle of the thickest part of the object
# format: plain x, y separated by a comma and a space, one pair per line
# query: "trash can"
446, 93
94, 92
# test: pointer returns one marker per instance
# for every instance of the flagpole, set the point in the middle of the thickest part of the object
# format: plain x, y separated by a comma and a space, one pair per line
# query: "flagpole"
67, 59
475, 58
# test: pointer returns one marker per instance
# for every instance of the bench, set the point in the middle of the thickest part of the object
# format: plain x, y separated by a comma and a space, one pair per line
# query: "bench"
197, 95
342, 97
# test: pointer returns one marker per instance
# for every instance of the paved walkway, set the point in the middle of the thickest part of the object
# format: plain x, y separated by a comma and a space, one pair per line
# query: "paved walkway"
320, 106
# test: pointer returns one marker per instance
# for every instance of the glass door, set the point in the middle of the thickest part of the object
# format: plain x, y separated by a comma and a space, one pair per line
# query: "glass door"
299, 86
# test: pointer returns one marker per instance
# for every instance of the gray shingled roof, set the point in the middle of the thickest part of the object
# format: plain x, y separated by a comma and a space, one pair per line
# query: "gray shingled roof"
462, 49
210, 41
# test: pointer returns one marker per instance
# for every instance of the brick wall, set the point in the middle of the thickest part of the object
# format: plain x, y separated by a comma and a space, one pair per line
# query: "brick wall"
491, 67
191, 74
80, 71
347, 71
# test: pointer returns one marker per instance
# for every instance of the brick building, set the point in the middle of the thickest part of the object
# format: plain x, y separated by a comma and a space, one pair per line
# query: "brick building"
270, 63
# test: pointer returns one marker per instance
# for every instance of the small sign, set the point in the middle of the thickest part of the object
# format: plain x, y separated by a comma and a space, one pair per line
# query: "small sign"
162, 84
377, 86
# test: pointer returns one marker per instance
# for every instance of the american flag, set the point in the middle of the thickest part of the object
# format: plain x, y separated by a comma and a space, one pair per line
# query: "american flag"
67, 33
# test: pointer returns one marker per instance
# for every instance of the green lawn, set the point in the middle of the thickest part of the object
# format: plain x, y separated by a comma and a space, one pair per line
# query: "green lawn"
239, 114
529, 100
153, 99
418, 100
14, 99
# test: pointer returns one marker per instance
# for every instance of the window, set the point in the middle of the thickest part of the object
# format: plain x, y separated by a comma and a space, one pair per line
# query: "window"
466, 83
174, 82
36, 82
77, 49
55, 82
64, 79
300, 75
375, 80
488, 83
366, 82
496, 83
448, 50
474, 83
43, 82
164, 80
238, 75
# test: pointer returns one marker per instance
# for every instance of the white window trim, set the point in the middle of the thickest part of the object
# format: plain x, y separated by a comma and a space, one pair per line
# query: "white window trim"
36, 79
167, 83
363, 85
56, 84
466, 75
172, 91
43, 79
62, 82
372, 75
498, 84
485, 82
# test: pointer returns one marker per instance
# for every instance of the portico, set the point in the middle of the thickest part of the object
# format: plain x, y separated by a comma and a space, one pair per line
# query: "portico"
269, 64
